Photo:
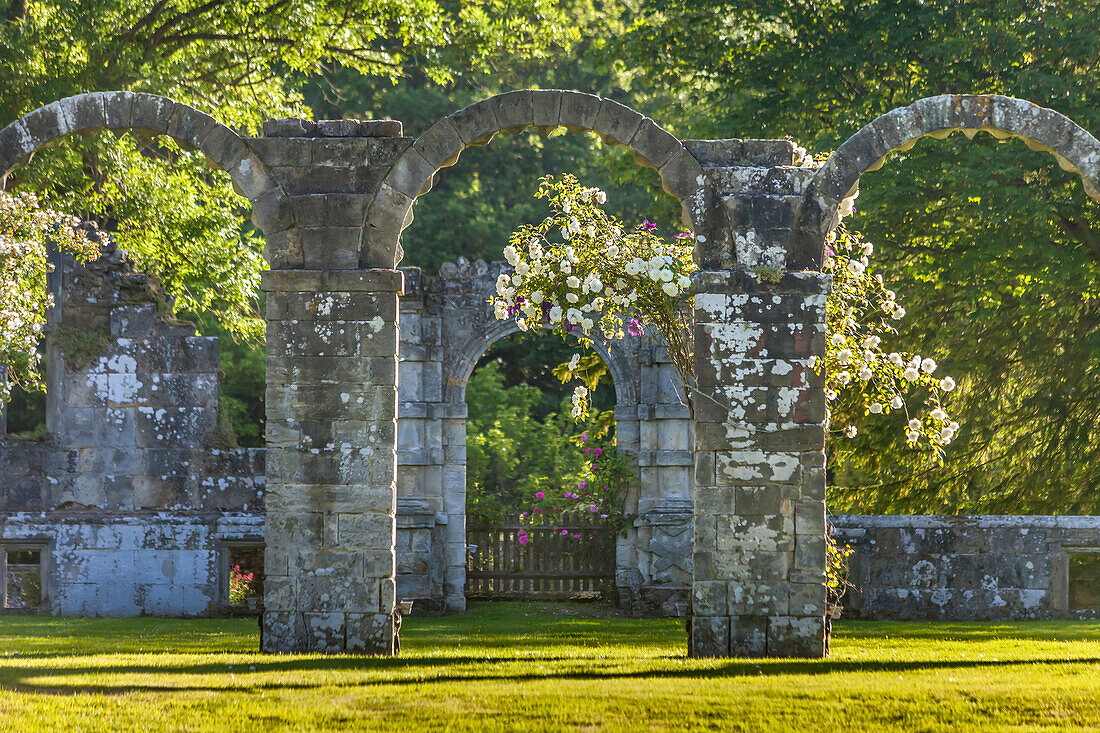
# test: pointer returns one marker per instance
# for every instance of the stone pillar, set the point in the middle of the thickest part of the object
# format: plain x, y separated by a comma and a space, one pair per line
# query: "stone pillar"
758, 583
759, 561
332, 460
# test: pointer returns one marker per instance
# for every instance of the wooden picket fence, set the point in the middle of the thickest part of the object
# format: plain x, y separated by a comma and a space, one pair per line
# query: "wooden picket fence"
549, 565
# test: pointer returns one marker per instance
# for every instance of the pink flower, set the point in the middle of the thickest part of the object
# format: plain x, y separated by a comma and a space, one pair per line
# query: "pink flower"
606, 487
594, 508
576, 536
584, 437
582, 484
634, 328
599, 452
522, 535
564, 532
540, 494
603, 516
566, 494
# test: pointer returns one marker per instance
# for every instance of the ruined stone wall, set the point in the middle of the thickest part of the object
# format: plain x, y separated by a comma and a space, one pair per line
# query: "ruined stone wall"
332, 199
128, 494
932, 568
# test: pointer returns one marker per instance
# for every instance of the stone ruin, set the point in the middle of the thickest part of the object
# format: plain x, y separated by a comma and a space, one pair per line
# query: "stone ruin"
134, 507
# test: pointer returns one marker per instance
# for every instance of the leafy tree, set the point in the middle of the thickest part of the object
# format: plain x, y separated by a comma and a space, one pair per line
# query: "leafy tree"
241, 61
993, 248
27, 233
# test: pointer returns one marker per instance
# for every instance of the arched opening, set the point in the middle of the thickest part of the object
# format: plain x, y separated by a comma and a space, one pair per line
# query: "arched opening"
135, 400
660, 438
538, 523
1002, 302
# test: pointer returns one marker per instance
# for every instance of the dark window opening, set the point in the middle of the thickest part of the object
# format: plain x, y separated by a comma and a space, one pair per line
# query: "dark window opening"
26, 413
244, 585
1084, 581
23, 578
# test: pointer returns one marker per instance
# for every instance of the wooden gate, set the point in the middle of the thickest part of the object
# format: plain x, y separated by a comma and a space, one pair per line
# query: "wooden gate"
572, 558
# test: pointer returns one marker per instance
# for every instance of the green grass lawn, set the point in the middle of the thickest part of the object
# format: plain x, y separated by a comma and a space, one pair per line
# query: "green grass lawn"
543, 667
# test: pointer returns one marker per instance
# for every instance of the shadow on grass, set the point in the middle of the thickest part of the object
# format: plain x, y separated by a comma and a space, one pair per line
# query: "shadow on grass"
18, 680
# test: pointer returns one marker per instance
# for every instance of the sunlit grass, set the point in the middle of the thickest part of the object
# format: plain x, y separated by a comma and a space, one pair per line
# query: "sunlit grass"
543, 667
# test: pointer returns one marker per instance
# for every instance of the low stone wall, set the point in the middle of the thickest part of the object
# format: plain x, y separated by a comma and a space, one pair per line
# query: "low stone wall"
157, 564
964, 568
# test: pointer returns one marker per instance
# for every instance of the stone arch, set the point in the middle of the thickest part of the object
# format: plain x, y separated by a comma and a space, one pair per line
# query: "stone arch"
1002, 117
151, 113
390, 211
458, 372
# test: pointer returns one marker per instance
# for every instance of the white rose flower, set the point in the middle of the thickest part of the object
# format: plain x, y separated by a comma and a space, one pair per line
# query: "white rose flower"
502, 283
537, 297
592, 230
870, 356
843, 356
500, 311
844, 378
895, 359
613, 251
875, 407
830, 394
565, 267
911, 374
888, 306
509, 253
838, 339
939, 414
871, 342
954, 427
565, 232
896, 402
555, 314
574, 362
914, 424
573, 282
586, 324
850, 431
654, 274
670, 289
913, 436
517, 280
523, 268
947, 384
574, 315
666, 275
928, 366
620, 284
683, 281
572, 297
865, 374
601, 197
898, 314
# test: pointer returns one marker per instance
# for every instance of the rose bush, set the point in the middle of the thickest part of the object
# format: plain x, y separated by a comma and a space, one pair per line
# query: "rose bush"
581, 272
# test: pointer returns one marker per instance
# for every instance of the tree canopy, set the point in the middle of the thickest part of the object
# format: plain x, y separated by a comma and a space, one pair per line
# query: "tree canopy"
241, 61
992, 246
